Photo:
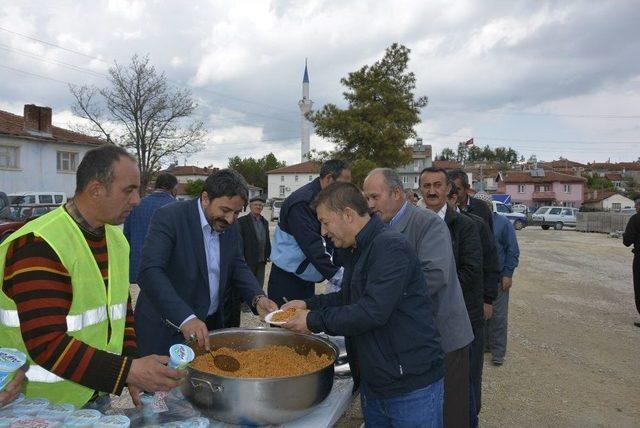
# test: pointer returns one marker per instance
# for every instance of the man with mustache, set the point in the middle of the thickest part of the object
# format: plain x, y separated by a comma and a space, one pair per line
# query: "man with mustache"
436, 186
429, 237
190, 258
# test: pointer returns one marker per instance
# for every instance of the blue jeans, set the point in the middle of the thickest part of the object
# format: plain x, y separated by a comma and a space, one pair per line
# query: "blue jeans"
421, 408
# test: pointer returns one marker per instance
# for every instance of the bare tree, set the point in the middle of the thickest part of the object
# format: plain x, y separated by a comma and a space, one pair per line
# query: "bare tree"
140, 111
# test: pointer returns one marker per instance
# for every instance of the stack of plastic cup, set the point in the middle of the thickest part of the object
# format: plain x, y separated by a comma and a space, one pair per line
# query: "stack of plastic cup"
10, 361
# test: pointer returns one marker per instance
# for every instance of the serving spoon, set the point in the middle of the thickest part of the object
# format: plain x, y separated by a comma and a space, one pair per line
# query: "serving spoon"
224, 362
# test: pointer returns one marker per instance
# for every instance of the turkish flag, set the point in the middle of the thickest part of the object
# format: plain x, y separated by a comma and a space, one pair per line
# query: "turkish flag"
469, 142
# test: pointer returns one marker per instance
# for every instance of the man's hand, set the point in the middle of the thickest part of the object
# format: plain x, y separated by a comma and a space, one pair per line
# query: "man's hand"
135, 392
506, 283
298, 322
488, 311
298, 304
264, 306
151, 374
196, 329
12, 389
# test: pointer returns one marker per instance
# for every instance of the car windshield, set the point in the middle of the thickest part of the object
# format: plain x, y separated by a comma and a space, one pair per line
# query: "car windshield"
541, 210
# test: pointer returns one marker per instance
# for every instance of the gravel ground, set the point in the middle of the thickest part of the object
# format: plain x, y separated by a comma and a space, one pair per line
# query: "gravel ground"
572, 358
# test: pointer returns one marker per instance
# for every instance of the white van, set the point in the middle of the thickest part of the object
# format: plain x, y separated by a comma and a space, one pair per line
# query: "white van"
37, 198
556, 217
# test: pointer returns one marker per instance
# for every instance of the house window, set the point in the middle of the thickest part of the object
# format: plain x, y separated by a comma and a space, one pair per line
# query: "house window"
281, 190
296, 178
567, 188
521, 188
310, 177
415, 180
67, 161
9, 157
282, 178
569, 204
405, 179
542, 188
616, 206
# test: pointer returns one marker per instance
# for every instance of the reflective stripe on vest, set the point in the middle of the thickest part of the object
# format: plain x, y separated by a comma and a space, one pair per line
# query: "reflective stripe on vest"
10, 318
38, 374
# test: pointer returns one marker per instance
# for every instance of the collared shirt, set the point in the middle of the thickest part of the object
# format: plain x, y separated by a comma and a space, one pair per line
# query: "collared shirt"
72, 210
442, 212
212, 251
398, 215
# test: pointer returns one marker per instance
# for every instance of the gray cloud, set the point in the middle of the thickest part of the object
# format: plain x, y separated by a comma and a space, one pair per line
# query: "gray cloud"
477, 61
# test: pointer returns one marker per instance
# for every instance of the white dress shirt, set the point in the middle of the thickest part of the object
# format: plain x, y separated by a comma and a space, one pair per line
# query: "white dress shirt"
443, 211
212, 251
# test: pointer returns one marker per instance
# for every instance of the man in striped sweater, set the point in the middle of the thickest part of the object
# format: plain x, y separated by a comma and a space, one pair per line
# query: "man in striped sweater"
64, 297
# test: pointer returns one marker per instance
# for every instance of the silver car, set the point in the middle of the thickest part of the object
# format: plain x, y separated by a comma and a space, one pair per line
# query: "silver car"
556, 217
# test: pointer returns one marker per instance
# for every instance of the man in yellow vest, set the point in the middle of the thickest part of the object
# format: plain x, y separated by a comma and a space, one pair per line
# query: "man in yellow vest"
64, 296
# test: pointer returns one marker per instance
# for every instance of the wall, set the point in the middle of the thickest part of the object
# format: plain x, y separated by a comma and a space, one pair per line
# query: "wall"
602, 222
576, 194
518, 198
37, 168
624, 202
274, 181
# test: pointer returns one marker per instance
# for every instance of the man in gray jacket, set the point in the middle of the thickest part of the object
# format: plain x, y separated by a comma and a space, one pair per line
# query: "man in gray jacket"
430, 238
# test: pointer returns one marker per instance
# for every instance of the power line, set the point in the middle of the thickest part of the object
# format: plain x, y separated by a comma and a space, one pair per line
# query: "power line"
525, 140
52, 45
175, 82
52, 61
35, 75
525, 113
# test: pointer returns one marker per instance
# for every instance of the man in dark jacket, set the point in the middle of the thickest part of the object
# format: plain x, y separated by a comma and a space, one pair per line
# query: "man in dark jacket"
299, 255
137, 223
384, 311
465, 202
632, 237
436, 187
256, 247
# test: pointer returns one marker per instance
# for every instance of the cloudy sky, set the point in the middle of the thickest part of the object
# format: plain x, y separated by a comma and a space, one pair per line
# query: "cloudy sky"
551, 78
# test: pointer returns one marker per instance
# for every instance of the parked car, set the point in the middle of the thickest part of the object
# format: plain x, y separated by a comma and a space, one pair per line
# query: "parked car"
556, 217
520, 208
628, 211
275, 209
518, 220
37, 198
21, 216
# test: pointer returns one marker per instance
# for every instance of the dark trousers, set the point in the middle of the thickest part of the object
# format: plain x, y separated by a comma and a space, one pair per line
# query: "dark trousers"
233, 301
636, 280
456, 388
476, 361
258, 271
284, 284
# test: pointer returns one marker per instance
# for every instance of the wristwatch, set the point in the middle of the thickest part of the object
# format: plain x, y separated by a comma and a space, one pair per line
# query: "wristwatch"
255, 300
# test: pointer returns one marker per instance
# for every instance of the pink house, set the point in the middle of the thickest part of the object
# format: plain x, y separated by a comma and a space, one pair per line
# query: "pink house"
537, 187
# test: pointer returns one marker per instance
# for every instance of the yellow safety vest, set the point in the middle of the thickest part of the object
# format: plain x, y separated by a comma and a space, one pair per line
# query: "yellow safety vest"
93, 306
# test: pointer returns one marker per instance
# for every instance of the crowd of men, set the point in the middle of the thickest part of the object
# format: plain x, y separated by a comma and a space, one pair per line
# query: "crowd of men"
419, 289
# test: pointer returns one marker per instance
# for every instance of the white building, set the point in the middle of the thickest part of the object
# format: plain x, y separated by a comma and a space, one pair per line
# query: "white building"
37, 156
606, 200
421, 159
284, 181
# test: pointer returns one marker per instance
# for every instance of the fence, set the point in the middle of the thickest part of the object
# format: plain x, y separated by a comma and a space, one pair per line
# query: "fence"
603, 222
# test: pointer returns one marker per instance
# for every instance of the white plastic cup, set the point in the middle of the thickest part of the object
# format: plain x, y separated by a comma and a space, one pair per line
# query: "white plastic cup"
180, 355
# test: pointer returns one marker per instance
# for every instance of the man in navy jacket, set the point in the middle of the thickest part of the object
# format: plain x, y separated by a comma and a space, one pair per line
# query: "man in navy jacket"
190, 257
298, 221
137, 223
384, 311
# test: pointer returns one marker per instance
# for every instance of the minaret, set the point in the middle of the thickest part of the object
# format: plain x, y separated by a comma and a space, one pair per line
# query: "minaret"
305, 105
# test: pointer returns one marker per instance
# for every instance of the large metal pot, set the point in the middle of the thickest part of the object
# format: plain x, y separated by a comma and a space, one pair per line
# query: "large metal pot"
259, 401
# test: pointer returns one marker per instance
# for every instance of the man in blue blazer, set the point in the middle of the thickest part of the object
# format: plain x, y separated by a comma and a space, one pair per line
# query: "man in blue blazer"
191, 256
